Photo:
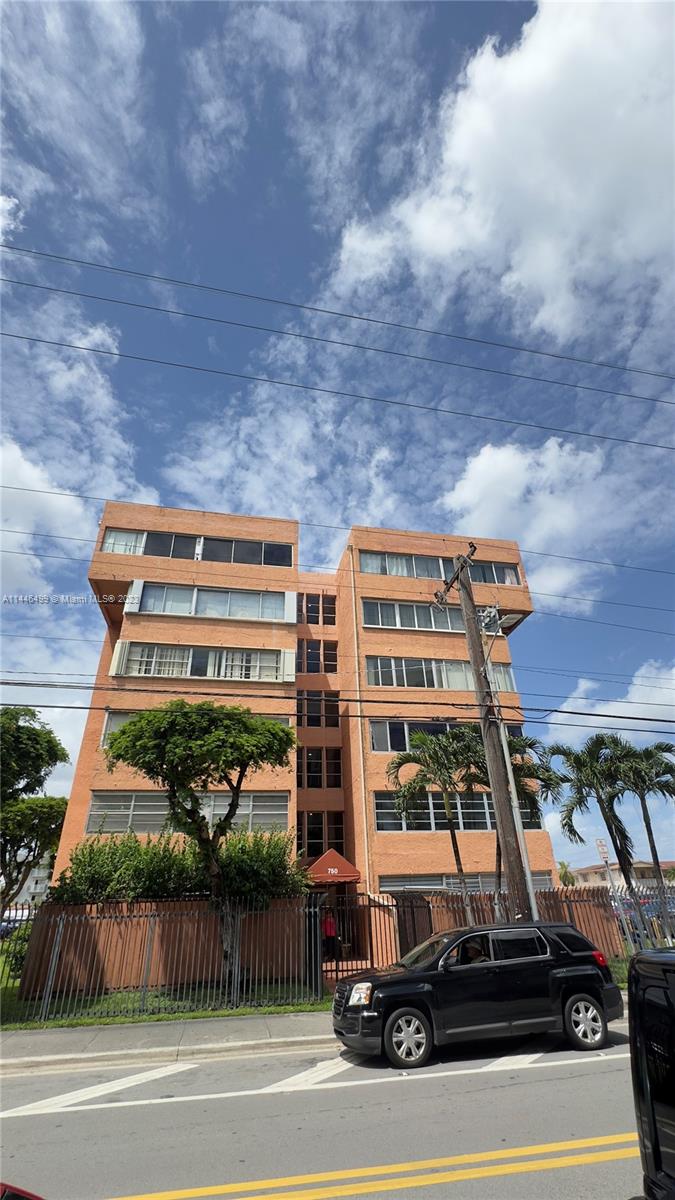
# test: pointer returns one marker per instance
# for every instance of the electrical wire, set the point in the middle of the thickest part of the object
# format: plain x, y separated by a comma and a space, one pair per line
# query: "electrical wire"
83, 262
339, 393
309, 337
400, 533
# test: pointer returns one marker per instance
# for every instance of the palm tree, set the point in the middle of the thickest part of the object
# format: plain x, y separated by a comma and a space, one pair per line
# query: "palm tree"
650, 771
595, 772
566, 875
457, 757
439, 760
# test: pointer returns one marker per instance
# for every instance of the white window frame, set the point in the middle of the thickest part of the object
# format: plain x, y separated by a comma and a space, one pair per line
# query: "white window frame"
284, 673
136, 533
251, 805
444, 567
138, 587
439, 668
457, 797
406, 724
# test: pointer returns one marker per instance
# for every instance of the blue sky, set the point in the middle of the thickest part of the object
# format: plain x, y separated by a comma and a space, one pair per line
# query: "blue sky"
502, 171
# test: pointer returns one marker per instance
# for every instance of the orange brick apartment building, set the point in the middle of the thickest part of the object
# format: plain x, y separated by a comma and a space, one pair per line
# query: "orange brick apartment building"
204, 605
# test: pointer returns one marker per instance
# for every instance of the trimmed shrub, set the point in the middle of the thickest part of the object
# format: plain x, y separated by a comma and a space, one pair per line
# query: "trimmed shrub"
16, 948
127, 867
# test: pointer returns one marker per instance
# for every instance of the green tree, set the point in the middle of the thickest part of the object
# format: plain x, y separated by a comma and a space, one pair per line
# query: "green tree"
650, 771
567, 877
595, 773
29, 830
30, 751
190, 749
29, 824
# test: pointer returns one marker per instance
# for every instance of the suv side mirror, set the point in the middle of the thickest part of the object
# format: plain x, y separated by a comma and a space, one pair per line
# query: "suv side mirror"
446, 964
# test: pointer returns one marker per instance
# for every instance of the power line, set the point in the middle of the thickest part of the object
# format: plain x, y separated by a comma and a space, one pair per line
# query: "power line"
75, 676
337, 570
86, 687
204, 287
599, 562
307, 387
309, 337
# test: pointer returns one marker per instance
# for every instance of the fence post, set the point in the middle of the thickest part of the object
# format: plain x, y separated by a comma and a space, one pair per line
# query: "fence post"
152, 921
51, 972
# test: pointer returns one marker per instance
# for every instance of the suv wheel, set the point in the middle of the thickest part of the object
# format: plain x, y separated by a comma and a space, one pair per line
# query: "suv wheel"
585, 1023
408, 1039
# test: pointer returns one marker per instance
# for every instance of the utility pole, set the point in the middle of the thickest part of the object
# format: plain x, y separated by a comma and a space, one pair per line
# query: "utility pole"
514, 866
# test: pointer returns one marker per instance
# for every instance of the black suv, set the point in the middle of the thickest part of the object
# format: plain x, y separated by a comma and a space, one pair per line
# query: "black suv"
487, 981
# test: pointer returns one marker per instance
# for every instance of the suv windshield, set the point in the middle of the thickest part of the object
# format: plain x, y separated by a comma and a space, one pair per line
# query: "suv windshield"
426, 952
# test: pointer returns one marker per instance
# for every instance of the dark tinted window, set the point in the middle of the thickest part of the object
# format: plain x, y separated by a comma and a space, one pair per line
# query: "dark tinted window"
247, 552
397, 735
217, 550
525, 943
158, 544
314, 767
183, 547
313, 664
276, 554
572, 940
328, 610
330, 656
331, 709
312, 608
333, 767
200, 659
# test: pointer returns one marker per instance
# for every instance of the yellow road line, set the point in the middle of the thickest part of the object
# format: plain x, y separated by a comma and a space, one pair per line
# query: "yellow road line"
246, 1187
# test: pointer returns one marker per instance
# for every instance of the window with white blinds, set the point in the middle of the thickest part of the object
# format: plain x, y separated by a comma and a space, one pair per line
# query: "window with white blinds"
175, 600
144, 658
450, 674
426, 566
147, 812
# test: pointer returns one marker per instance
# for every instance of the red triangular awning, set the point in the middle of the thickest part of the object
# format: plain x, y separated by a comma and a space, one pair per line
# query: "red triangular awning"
331, 867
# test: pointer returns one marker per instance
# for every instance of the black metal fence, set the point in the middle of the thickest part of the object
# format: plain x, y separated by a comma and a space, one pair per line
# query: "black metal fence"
145, 959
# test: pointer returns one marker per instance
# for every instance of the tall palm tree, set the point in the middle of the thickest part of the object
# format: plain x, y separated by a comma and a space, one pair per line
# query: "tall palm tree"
594, 772
440, 760
457, 758
650, 771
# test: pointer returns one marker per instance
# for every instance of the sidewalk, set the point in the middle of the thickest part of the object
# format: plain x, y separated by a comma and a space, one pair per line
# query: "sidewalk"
164, 1041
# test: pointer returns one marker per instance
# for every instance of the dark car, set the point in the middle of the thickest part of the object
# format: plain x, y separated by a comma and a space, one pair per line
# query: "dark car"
651, 1009
488, 981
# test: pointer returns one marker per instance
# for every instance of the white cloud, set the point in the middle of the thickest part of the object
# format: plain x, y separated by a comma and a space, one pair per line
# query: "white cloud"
545, 183
73, 74
648, 699
11, 216
347, 84
542, 495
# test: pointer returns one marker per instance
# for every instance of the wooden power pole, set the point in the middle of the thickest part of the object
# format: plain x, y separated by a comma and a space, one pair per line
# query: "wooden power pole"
514, 867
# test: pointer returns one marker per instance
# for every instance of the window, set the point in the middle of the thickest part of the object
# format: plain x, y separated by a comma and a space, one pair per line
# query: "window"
388, 736
114, 721
203, 662
314, 656
573, 941
269, 554
328, 609
502, 677
471, 950
390, 615
169, 545
430, 815
493, 572
257, 810
319, 767
518, 943
450, 674
212, 602
426, 566
411, 883
320, 831
318, 708
115, 812
123, 541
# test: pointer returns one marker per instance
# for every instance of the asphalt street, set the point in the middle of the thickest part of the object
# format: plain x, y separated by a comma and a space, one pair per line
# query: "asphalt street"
508, 1120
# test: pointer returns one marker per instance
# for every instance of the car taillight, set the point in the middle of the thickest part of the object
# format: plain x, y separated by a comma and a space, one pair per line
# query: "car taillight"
600, 958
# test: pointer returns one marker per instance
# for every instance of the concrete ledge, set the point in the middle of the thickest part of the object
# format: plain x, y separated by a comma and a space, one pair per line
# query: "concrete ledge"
113, 1058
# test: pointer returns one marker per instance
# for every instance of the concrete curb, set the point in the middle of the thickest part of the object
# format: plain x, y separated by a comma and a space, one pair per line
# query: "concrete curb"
113, 1058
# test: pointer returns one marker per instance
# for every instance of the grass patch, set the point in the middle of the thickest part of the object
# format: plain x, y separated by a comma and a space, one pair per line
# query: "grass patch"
134, 1006
619, 969
261, 1010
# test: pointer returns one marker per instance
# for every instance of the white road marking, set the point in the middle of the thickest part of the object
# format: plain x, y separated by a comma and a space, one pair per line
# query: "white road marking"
583, 1060
515, 1061
63, 1102
313, 1075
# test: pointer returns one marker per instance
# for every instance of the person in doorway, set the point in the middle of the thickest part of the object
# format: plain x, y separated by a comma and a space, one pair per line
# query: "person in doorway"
328, 934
